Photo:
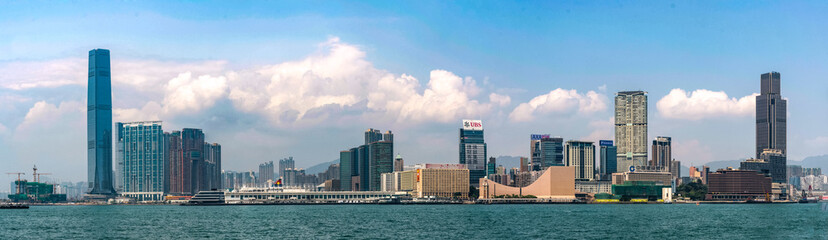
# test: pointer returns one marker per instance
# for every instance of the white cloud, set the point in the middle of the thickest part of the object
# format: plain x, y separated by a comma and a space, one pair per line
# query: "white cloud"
559, 101
46, 114
37, 74
322, 86
188, 94
703, 103
501, 100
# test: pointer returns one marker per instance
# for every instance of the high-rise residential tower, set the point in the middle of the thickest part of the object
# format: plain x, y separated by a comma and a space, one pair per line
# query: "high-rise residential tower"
398, 163
662, 153
178, 170
285, 163
192, 146
631, 128
581, 155
473, 150
142, 156
99, 125
266, 172
771, 115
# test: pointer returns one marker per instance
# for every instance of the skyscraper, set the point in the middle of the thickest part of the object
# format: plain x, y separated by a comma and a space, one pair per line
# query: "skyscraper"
346, 170
771, 116
581, 155
631, 128
381, 160
608, 159
99, 125
546, 151
141, 163
373, 135
178, 169
285, 163
398, 163
192, 146
473, 150
491, 166
266, 172
662, 153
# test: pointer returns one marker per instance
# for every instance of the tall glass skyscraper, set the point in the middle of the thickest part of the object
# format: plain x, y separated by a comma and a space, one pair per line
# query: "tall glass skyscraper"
631, 128
608, 158
771, 115
99, 125
473, 150
581, 155
141, 158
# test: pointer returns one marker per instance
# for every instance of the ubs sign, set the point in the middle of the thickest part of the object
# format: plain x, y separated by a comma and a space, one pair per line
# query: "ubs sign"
472, 124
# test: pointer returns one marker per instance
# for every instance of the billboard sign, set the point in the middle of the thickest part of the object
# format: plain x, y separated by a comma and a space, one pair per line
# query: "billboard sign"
539, 136
605, 142
472, 124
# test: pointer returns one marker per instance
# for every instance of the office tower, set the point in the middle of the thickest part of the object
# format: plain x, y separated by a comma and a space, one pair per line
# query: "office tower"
373, 135
776, 161
179, 170
363, 160
662, 153
473, 150
771, 116
388, 136
285, 163
398, 163
581, 155
631, 129
675, 169
346, 170
141, 156
608, 158
546, 151
99, 125
491, 166
266, 172
192, 146
211, 167
381, 159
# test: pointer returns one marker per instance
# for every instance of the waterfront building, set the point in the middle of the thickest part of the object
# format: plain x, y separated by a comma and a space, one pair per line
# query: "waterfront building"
649, 190
737, 185
398, 162
380, 157
285, 163
659, 177
25, 191
141, 158
631, 129
266, 173
347, 169
556, 182
608, 158
390, 182
545, 151
771, 115
442, 182
593, 187
662, 153
581, 155
192, 145
174, 163
99, 125
237, 197
473, 150
211, 178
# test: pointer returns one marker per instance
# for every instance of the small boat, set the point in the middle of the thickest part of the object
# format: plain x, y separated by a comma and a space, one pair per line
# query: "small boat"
213, 197
14, 206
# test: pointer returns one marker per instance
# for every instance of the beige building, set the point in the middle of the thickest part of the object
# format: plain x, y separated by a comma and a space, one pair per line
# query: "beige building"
434, 180
664, 178
555, 183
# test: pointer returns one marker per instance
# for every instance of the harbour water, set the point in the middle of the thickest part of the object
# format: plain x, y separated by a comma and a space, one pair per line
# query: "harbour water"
580, 221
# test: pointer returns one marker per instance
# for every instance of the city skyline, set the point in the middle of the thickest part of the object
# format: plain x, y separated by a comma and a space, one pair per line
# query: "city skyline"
265, 103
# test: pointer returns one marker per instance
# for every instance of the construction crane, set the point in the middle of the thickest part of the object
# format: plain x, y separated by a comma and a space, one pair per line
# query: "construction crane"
36, 175
18, 180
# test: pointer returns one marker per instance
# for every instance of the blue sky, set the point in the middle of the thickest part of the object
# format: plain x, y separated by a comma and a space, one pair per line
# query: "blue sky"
274, 79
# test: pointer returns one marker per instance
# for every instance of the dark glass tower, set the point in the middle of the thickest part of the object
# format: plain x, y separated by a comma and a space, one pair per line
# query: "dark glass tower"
99, 124
473, 150
771, 116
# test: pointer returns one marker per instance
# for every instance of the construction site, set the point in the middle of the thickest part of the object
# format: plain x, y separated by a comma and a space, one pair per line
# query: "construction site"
34, 191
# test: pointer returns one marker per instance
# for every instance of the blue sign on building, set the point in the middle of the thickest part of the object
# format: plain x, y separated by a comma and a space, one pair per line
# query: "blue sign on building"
539, 136
605, 142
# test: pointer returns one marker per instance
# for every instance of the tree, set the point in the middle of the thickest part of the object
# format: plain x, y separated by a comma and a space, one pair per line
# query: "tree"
473, 193
694, 190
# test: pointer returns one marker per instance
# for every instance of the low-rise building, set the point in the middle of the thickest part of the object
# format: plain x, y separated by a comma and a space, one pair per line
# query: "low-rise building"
663, 178
593, 187
738, 185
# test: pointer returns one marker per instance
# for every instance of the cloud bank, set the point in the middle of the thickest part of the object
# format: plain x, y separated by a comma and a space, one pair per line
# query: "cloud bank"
704, 104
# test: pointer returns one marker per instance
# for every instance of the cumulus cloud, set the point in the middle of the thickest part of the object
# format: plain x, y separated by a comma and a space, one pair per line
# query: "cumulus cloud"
560, 101
21, 75
703, 103
188, 93
47, 114
339, 78
501, 100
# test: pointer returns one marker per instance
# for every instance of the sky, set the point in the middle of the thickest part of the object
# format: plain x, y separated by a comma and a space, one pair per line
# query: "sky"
268, 80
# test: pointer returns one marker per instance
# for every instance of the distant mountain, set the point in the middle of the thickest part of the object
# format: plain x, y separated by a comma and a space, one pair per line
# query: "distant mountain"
318, 168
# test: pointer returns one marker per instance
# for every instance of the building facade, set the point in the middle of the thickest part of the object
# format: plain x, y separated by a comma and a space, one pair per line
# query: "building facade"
179, 170
546, 151
285, 163
608, 158
581, 155
99, 125
141, 156
473, 150
631, 129
771, 115
192, 145
738, 185
266, 172
662, 153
